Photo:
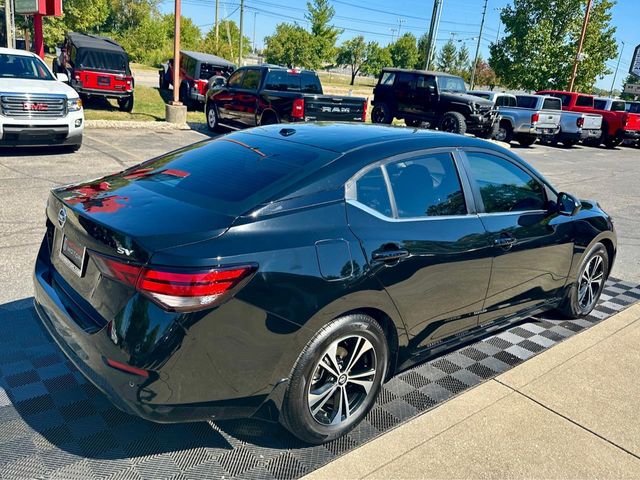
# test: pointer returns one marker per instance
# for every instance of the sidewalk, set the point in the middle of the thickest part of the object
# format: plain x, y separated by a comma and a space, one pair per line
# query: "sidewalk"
571, 412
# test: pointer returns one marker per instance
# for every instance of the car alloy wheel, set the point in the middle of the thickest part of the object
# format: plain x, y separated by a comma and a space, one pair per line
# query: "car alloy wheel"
501, 136
590, 283
342, 380
212, 118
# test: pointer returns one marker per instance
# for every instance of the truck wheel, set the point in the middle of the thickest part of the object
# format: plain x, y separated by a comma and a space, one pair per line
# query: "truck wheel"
381, 113
569, 143
212, 118
453, 122
126, 104
612, 142
505, 132
411, 122
527, 140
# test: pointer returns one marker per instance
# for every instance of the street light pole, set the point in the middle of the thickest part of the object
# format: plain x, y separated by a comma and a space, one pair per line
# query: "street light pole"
579, 52
241, 33
216, 24
616, 72
475, 60
176, 54
254, 31
433, 32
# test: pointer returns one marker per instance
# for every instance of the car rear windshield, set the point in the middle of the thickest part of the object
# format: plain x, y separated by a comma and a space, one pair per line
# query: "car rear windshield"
633, 107
552, 104
618, 106
526, 101
291, 81
232, 174
102, 60
23, 66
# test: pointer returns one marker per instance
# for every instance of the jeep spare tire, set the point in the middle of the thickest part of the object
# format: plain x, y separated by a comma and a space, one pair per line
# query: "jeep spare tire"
453, 122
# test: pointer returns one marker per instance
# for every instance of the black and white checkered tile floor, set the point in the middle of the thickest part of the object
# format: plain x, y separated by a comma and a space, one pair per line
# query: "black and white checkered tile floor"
53, 424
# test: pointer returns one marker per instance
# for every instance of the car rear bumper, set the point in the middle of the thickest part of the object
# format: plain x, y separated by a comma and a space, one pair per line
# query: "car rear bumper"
631, 134
95, 92
591, 133
131, 393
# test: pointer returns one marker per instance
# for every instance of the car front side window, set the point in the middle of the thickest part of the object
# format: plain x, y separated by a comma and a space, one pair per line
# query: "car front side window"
503, 186
235, 79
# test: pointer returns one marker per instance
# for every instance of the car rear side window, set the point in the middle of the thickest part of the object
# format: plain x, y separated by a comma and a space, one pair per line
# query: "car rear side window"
617, 106
404, 80
584, 101
388, 78
505, 101
427, 187
526, 101
505, 187
371, 190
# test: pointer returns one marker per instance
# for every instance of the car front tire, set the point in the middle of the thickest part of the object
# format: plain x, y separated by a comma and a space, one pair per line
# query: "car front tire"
453, 122
212, 118
583, 295
336, 379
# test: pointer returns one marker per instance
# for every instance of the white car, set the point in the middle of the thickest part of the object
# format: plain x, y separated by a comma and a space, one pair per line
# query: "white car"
36, 106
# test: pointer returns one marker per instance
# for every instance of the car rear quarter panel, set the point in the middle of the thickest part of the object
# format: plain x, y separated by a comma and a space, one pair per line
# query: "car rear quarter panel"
251, 342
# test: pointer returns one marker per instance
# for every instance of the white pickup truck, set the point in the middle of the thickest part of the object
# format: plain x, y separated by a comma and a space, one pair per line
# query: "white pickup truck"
37, 107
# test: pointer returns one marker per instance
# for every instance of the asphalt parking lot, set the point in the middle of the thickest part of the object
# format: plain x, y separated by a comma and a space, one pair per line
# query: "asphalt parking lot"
610, 176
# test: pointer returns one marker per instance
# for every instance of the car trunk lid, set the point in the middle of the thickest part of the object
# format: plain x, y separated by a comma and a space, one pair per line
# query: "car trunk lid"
333, 108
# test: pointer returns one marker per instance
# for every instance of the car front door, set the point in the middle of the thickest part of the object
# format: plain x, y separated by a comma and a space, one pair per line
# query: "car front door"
246, 98
532, 245
425, 243
225, 98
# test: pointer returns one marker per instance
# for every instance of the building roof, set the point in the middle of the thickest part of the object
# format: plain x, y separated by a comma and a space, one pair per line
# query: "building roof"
207, 58
95, 42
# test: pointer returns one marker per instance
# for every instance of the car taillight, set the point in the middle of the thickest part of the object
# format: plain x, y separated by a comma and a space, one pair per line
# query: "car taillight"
179, 290
297, 111
535, 117
625, 120
580, 122
364, 110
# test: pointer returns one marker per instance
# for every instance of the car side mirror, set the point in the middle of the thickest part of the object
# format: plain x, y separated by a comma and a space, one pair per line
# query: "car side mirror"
568, 204
62, 77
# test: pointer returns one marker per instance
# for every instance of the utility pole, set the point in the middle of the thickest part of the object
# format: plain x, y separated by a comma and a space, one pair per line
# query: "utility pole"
9, 23
579, 52
400, 22
433, 32
176, 54
216, 24
475, 59
393, 33
241, 33
616, 72
254, 31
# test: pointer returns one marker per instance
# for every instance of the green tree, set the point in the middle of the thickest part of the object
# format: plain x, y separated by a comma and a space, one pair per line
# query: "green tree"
447, 58
540, 42
377, 58
404, 51
228, 41
485, 76
463, 63
125, 15
190, 34
423, 44
86, 16
290, 45
319, 15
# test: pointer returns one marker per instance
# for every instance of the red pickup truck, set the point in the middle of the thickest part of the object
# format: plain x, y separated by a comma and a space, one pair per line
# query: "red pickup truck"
617, 125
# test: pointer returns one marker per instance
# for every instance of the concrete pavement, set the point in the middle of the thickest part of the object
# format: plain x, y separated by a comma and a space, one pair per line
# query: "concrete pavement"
570, 412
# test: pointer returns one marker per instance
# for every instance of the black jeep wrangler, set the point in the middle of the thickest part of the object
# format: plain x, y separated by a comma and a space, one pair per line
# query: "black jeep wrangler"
439, 99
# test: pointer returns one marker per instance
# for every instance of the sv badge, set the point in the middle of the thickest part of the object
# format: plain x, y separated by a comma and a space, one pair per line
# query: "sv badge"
124, 251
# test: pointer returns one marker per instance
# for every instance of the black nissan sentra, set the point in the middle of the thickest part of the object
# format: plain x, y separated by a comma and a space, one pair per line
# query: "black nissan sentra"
285, 273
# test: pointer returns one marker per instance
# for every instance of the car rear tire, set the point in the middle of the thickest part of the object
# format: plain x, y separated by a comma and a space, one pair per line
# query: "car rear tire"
381, 113
527, 140
584, 293
569, 143
612, 142
126, 104
453, 122
412, 122
336, 379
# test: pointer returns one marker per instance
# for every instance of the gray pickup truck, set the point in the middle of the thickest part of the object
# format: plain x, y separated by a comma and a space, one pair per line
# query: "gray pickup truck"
524, 118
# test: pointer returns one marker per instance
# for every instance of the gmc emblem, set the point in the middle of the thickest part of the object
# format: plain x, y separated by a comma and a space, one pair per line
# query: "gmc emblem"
39, 107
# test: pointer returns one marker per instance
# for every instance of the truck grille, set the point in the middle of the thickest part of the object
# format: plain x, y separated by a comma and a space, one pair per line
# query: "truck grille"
33, 106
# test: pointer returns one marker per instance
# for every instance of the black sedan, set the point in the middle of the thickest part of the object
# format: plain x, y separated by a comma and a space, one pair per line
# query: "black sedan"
285, 273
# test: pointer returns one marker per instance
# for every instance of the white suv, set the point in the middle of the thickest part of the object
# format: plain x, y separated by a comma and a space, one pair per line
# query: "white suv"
37, 107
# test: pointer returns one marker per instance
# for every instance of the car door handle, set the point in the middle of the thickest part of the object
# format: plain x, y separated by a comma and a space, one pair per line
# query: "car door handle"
505, 242
389, 255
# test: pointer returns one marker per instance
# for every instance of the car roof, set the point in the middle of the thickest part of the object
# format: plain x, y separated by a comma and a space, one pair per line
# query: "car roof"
81, 40
207, 58
419, 72
16, 51
346, 137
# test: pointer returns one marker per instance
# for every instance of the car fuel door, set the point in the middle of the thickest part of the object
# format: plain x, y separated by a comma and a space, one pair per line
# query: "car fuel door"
424, 243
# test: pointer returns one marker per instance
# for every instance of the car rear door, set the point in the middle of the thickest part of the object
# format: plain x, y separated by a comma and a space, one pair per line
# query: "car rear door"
418, 228
404, 90
532, 246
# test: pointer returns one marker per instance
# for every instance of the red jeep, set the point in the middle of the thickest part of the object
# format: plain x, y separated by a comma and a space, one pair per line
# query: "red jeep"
96, 67
617, 125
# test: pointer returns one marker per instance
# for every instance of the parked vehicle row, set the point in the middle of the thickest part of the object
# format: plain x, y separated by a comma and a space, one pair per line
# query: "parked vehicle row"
266, 94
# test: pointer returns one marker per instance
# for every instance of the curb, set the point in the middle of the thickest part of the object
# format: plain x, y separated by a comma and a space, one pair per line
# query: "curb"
151, 125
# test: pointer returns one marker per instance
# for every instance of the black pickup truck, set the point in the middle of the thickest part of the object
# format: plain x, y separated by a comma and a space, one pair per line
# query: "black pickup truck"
437, 99
266, 94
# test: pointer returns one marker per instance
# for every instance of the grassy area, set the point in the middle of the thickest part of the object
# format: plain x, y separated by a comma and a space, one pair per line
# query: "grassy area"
148, 106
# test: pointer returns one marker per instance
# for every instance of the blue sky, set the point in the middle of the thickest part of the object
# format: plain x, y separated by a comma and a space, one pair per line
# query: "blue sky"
380, 20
